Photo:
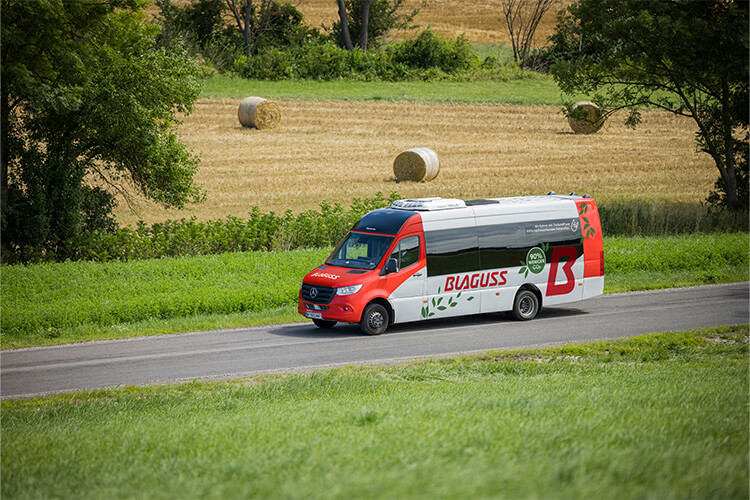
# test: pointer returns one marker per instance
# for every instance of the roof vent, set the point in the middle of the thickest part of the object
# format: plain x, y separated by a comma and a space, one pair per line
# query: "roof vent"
428, 204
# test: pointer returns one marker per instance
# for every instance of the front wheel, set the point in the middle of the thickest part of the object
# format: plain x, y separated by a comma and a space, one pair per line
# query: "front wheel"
324, 323
374, 320
526, 305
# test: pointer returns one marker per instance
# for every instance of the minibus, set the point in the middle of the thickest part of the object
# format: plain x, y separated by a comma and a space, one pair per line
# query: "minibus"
432, 258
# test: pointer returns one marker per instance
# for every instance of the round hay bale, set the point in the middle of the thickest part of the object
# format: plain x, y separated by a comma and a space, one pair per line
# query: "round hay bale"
585, 118
259, 113
416, 164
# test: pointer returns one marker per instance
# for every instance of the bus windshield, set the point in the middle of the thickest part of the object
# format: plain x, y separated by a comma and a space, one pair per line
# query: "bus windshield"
360, 251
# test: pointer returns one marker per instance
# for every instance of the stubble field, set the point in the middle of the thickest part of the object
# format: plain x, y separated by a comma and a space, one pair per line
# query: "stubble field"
480, 21
338, 150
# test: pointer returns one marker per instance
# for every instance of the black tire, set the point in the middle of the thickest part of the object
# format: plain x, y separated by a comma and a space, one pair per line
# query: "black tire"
374, 320
324, 323
525, 306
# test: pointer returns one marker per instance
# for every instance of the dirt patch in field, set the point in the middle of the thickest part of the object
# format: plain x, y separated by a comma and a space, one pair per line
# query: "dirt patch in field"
338, 150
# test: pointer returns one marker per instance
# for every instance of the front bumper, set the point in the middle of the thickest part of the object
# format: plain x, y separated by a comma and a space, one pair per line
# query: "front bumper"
339, 309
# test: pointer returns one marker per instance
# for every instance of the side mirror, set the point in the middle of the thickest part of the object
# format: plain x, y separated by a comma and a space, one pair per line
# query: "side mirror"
391, 266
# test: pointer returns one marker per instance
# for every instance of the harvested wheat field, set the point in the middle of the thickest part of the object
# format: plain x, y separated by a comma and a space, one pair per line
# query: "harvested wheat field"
482, 21
338, 150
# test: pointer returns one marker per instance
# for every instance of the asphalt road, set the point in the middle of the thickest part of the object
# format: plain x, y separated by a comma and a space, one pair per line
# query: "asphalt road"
302, 346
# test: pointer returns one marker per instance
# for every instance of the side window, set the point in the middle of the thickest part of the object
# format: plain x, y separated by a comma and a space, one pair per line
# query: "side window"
406, 252
452, 251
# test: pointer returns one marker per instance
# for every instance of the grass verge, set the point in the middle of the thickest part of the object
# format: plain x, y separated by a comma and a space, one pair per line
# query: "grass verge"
662, 416
48, 304
534, 91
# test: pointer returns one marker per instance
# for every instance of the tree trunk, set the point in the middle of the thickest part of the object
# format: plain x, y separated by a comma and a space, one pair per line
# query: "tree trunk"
730, 182
4, 122
364, 25
243, 22
246, 29
345, 27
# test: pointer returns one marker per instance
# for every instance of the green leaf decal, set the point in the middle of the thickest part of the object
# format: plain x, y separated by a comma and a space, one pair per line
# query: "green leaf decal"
469, 299
459, 295
439, 300
442, 308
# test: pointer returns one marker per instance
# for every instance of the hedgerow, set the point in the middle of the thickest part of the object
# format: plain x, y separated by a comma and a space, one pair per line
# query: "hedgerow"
260, 231
427, 57
325, 227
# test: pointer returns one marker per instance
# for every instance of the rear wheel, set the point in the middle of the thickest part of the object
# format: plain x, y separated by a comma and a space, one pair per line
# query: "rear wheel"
526, 305
324, 323
374, 320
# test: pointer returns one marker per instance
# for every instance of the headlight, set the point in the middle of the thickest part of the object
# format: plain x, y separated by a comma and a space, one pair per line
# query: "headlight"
348, 290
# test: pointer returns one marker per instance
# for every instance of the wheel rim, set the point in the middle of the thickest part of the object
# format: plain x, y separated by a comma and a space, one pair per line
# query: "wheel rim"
376, 320
526, 306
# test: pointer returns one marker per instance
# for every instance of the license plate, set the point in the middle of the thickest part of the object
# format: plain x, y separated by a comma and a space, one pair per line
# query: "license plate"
313, 315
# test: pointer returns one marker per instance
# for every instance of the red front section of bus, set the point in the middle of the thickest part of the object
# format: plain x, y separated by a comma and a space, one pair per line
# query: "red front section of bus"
593, 243
374, 285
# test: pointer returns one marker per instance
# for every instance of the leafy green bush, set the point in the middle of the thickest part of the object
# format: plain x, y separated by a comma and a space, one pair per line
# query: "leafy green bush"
429, 50
426, 57
261, 231
326, 227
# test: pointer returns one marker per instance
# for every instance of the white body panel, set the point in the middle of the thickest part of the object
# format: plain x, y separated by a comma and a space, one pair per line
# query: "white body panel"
407, 299
493, 290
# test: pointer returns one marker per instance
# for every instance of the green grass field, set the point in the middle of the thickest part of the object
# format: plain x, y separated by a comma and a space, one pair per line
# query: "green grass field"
532, 91
660, 416
49, 304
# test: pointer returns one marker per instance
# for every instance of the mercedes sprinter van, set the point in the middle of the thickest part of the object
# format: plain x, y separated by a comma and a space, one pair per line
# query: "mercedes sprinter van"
433, 258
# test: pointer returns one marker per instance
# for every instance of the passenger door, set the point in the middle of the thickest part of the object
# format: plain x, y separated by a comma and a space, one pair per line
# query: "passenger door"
407, 284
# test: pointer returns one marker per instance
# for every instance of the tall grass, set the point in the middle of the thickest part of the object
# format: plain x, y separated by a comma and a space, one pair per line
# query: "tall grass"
53, 303
643, 263
75, 301
662, 416
658, 218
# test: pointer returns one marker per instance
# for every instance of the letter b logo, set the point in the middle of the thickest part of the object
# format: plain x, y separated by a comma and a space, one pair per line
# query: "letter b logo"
559, 253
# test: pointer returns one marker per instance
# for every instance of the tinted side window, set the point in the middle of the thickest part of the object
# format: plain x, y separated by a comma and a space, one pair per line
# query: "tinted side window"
451, 251
406, 252
502, 245
557, 230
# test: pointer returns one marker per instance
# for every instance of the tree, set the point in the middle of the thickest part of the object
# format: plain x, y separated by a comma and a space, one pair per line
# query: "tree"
251, 19
88, 110
522, 18
369, 20
689, 58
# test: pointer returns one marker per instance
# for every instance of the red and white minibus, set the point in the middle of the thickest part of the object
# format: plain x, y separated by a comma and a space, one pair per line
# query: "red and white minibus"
434, 258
